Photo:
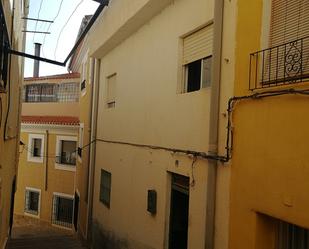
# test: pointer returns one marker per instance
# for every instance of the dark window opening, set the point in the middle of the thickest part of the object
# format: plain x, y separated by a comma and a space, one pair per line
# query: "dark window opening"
198, 74
32, 202
83, 85
63, 211
37, 146
194, 76
292, 237
67, 153
105, 187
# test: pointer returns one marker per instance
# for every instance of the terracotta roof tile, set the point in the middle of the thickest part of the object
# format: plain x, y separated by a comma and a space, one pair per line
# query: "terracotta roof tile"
54, 120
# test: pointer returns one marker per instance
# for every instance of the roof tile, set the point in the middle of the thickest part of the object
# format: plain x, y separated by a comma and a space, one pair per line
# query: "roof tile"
54, 120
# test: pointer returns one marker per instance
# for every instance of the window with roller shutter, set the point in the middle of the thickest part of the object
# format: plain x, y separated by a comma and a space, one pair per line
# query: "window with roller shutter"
197, 59
289, 26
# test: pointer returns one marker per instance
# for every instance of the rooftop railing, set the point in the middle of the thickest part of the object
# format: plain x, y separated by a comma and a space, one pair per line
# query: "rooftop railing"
280, 65
66, 92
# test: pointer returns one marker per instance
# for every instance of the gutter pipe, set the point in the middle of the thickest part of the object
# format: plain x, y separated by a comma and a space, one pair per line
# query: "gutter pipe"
93, 135
214, 126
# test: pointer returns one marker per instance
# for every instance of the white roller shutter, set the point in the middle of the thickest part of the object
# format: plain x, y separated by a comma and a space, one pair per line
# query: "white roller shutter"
289, 21
198, 45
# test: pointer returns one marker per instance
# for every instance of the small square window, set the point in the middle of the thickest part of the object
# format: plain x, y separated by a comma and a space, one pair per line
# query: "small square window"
198, 74
36, 148
105, 187
66, 153
111, 91
32, 201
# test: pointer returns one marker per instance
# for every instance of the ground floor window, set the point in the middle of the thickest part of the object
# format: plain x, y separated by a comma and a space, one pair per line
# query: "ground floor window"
63, 210
32, 201
291, 236
272, 233
105, 187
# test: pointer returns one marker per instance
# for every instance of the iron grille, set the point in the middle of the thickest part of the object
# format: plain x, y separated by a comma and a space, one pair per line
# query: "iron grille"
62, 211
67, 159
280, 65
65, 92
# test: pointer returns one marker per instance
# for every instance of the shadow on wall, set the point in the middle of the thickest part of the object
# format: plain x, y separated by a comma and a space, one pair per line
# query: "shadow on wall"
105, 239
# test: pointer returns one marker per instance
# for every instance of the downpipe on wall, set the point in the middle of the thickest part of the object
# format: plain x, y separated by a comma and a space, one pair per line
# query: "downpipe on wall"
93, 135
214, 126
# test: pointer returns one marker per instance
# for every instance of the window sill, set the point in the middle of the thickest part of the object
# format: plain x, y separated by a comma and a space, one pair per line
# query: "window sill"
35, 160
65, 167
37, 216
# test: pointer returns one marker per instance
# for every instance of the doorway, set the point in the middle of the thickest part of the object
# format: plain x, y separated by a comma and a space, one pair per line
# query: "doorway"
178, 231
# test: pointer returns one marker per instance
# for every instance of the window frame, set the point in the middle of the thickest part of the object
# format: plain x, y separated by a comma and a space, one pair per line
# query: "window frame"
30, 157
186, 74
59, 140
28, 212
111, 104
108, 188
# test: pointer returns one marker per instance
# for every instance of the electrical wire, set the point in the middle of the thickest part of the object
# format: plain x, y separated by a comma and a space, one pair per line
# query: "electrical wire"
50, 24
65, 24
36, 23
196, 154
53, 156
258, 95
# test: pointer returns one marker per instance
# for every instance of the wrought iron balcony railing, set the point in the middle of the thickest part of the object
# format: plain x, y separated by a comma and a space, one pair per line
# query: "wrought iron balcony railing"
280, 65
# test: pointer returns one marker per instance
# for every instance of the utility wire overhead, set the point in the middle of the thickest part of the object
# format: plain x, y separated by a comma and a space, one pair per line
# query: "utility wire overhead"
50, 24
36, 22
65, 24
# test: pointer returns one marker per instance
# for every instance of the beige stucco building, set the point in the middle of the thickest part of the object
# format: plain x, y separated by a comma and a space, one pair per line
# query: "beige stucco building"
48, 150
11, 76
152, 181
82, 63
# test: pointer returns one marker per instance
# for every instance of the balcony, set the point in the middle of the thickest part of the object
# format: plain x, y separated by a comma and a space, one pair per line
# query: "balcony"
49, 93
280, 65
66, 159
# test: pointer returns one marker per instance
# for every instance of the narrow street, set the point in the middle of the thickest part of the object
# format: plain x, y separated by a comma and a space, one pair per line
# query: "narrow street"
31, 234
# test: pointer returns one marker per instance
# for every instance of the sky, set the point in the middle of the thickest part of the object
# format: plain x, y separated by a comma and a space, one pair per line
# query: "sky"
58, 44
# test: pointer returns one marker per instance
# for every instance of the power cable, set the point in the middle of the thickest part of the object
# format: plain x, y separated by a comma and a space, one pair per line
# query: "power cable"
36, 22
50, 24
65, 24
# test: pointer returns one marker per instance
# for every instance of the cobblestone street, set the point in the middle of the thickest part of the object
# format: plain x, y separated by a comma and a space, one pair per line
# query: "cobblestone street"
32, 234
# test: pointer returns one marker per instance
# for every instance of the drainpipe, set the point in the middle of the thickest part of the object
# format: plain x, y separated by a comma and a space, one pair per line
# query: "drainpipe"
213, 125
93, 135
46, 160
